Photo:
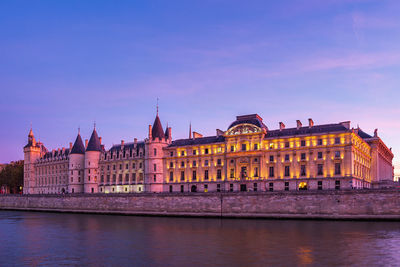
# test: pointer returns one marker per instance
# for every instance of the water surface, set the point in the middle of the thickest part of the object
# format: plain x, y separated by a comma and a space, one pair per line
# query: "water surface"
49, 239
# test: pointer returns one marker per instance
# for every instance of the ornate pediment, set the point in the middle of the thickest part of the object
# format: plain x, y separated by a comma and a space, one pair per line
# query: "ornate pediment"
243, 129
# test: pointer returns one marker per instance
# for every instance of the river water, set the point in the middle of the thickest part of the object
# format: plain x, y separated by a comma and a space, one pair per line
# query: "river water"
54, 239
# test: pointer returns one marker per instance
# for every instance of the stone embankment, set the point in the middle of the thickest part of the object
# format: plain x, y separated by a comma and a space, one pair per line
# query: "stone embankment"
363, 204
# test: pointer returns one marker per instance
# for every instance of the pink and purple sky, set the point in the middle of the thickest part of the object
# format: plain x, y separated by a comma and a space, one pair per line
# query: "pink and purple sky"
66, 64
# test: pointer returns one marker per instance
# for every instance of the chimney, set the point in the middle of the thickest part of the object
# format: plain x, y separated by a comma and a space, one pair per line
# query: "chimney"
346, 124
86, 143
310, 122
169, 133
281, 126
63, 150
197, 135
299, 124
122, 142
150, 132
70, 146
220, 132
100, 140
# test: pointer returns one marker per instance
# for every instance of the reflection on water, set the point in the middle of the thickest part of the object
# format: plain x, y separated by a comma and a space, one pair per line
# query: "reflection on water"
48, 239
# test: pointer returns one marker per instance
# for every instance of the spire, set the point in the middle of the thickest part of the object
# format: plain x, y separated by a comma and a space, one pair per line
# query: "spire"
157, 130
166, 132
157, 106
190, 130
31, 138
94, 142
78, 147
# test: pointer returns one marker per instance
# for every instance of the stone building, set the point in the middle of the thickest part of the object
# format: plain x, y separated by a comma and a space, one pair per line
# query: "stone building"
246, 157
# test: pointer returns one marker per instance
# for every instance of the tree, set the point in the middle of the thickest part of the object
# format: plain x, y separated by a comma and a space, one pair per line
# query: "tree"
13, 176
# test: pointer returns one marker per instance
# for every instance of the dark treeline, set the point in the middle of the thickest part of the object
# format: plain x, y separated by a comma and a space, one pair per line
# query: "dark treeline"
12, 177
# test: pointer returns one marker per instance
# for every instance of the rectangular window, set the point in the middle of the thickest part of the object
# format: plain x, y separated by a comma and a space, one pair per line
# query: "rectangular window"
219, 176
182, 189
218, 187
337, 154
114, 167
108, 178
102, 178
182, 164
194, 152
287, 157
337, 140
127, 177
140, 165
171, 176
338, 169
271, 158
182, 175
218, 161
271, 172
271, 187
206, 162
182, 153
126, 166
155, 178
232, 148
320, 169
206, 175
120, 166
255, 172
244, 147
286, 186
303, 156
231, 187
287, 171
171, 165
170, 188
155, 167
319, 185
232, 173
120, 178
171, 153
206, 151
255, 146
194, 176
303, 170
114, 178
287, 144
194, 163
337, 185
319, 155
255, 187
320, 143
303, 143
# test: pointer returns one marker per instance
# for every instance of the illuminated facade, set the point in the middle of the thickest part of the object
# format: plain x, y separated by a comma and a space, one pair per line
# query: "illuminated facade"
246, 157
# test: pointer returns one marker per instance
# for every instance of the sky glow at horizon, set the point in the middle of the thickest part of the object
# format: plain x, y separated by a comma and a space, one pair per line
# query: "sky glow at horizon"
67, 64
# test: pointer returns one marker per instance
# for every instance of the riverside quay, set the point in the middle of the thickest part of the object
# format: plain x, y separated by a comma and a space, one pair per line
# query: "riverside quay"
248, 156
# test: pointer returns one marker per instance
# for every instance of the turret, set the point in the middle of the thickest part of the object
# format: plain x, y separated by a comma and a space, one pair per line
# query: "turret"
158, 139
92, 158
76, 166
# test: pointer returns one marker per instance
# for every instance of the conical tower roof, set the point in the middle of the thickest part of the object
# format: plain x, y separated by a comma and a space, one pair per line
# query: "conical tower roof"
78, 147
166, 132
94, 142
157, 130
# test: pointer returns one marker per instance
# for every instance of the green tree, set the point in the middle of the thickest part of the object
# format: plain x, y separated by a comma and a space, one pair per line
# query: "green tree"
13, 176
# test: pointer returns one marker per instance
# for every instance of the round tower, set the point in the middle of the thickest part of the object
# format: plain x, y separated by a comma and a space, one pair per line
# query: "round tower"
154, 167
76, 166
92, 158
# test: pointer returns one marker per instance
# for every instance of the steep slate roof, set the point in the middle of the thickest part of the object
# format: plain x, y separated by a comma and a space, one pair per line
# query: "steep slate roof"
166, 132
49, 155
78, 147
157, 130
363, 134
198, 141
251, 119
94, 142
327, 128
127, 146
